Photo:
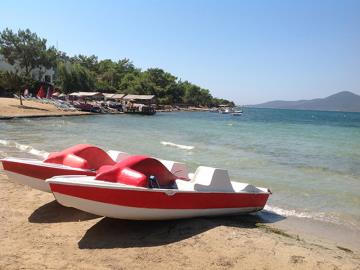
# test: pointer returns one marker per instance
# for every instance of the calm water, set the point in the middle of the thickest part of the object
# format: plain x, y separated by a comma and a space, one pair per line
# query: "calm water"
310, 160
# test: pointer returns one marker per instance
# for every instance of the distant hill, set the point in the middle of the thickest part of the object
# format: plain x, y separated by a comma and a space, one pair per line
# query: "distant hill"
343, 101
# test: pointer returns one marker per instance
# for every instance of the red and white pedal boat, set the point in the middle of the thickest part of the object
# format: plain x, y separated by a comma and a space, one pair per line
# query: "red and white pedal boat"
127, 191
81, 159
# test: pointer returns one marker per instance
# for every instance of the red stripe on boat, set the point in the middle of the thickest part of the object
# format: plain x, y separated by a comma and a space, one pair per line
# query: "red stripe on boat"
40, 172
160, 200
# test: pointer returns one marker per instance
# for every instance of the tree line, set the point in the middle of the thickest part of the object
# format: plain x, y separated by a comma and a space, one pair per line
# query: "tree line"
87, 73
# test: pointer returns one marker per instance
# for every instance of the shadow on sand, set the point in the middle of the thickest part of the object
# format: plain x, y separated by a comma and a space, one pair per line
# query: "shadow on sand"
115, 233
54, 212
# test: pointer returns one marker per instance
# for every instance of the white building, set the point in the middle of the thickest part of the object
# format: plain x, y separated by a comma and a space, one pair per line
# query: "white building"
40, 74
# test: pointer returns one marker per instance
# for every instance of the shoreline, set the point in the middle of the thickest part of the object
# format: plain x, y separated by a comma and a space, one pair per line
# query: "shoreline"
316, 231
10, 109
94, 242
43, 116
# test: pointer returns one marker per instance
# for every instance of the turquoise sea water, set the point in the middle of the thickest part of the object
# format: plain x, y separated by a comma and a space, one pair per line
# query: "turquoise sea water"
310, 160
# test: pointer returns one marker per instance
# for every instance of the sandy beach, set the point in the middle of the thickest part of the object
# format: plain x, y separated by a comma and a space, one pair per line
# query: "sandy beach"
180, 109
10, 107
38, 233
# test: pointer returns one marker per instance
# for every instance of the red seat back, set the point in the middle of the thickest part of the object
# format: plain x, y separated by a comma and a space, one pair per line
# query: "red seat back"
83, 156
136, 170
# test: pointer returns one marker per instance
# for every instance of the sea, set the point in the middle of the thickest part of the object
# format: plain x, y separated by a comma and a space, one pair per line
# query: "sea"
309, 159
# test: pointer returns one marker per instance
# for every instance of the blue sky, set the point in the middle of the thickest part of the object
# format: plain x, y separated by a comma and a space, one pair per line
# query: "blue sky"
247, 51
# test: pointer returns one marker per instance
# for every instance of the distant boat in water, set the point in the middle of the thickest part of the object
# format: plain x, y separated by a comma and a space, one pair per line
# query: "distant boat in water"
140, 109
225, 111
236, 111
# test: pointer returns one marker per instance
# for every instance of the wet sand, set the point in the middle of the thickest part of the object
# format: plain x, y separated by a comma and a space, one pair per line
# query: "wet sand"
38, 233
10, 108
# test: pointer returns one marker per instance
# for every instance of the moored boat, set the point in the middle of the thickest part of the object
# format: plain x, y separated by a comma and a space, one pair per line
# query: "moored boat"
237, 112
141, 188
225, 110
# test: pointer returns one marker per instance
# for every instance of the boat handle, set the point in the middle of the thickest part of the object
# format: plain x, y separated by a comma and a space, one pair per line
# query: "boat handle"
170, 192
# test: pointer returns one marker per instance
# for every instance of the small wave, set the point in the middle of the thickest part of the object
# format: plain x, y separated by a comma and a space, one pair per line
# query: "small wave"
287, 213
180, 146
25, 148
3, 154
292, 213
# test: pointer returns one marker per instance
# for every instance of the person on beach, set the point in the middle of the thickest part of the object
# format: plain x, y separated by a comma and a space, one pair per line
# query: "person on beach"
26, 92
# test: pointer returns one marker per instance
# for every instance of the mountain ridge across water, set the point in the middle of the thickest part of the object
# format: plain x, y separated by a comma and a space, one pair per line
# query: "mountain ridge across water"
342, 101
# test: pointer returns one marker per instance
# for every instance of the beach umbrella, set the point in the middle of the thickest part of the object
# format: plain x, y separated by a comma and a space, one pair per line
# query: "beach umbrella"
41, 93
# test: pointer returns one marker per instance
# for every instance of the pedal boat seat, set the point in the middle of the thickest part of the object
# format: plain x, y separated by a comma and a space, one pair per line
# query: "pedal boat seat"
136, 171
82, 156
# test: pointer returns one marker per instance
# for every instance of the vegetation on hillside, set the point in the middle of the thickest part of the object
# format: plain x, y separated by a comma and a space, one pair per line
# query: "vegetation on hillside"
88, 73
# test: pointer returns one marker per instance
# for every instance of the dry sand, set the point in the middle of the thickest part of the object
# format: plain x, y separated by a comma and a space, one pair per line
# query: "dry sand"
10, 107
38, 233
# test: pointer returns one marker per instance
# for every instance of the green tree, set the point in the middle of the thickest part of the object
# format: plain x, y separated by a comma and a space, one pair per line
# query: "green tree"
25, 51
130, 83
89, 62
160, 83
74, 77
